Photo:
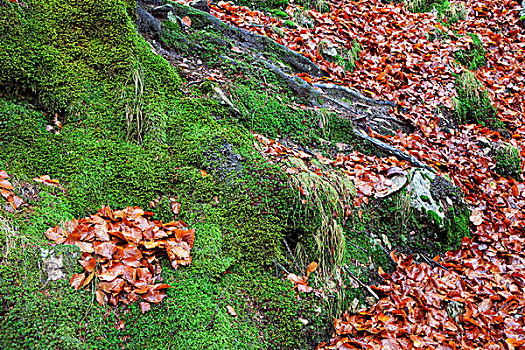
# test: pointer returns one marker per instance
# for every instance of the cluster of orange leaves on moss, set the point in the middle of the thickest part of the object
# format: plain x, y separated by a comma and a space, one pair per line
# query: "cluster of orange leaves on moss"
301, 282
121, 249
13, 202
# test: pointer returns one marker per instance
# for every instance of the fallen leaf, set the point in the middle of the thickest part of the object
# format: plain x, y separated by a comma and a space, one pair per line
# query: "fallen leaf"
311, 268
144, 307
187, 21
231, 310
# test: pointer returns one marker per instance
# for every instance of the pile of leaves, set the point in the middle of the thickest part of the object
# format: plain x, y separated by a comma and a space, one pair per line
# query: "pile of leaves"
13, 202
121, 250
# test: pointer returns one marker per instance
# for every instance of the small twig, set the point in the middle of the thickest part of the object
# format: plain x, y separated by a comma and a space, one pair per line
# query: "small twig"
361, 283
386, 252
392, 150
281, 266
293, 257
193, 82
432, 261
358, 247
217, 308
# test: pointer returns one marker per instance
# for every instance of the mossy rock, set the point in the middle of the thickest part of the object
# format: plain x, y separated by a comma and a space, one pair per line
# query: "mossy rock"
439, 208
425, 218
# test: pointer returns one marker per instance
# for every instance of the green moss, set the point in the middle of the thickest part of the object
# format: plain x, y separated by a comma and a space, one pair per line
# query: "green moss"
473, 104
474, 57
456, 226
289, 24
279, 13
264, 114
508, 162
66, 47
264, 4
85, 69
423, 5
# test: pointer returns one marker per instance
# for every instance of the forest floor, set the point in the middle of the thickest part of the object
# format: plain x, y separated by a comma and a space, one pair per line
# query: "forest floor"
250, 166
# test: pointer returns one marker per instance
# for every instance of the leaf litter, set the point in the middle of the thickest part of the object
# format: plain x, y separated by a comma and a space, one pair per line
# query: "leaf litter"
12, 201
121, 249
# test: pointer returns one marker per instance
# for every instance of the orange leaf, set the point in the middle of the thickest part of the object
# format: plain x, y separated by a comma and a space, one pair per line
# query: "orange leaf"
77, 280
6, 184
187, 21
311, 268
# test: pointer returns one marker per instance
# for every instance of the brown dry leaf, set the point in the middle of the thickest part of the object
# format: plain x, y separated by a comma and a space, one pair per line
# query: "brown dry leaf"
187, 21
89, 263
231, 310
175, 208
46, 180
55, 234
6, 185
105, 249
17, 202
77, 280
476, 217
144, 307
88, 279
101, 297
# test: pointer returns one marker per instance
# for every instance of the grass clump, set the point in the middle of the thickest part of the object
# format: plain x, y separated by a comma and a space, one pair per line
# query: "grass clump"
264, 4
446, 12
473, 104
350, 57
474, 57
508, 161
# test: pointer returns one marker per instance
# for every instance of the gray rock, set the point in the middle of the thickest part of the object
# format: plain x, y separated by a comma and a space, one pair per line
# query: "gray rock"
219, 95
148, 25
162, 11
421, 197
427, 192
329, 53
200, 5
59, 262
398, 182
